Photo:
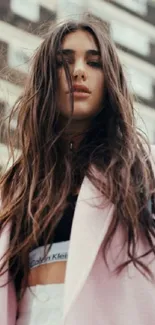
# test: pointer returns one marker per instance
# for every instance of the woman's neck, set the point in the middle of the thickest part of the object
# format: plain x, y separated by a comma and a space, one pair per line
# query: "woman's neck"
75, 133
74, 140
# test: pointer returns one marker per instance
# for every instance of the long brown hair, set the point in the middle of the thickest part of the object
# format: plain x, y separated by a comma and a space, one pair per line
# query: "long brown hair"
34, 190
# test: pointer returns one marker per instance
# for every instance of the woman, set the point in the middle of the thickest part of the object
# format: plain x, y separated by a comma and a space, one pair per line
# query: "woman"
77, 229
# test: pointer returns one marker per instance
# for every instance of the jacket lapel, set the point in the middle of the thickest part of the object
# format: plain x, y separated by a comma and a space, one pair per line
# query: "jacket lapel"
92, 217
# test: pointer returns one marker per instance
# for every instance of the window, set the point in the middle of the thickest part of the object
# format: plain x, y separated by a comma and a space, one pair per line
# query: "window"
139, 6
127, 36
147, 125
71, 8
26, 8
140, 83
18, 58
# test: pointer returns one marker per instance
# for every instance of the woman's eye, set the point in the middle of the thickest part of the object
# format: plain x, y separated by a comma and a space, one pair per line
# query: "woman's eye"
95, 64
60, 62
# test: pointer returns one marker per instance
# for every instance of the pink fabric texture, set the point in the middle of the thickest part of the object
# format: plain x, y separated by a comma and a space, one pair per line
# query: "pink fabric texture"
95, 294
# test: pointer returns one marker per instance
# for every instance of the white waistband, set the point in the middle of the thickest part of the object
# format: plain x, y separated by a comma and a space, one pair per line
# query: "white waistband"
57, 252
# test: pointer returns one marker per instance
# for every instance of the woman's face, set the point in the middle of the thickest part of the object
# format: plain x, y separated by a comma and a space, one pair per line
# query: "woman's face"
83, 57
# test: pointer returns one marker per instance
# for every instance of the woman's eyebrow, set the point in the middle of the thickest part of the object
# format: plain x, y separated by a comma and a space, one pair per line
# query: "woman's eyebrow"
72, 52
66, 51
93, 52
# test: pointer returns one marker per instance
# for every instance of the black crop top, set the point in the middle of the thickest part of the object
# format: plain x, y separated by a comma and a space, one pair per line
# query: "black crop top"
63, 229
59, 245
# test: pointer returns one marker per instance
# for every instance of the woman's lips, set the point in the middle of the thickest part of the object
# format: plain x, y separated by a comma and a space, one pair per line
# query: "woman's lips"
80, 91
80, 94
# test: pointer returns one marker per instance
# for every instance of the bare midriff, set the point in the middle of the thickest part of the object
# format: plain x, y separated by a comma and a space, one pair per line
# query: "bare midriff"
47, 274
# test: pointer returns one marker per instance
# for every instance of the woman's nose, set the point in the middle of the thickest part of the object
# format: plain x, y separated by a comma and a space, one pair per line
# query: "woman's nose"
80, 73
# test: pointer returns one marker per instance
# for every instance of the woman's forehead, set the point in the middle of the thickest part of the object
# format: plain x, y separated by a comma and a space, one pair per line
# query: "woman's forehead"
80, 39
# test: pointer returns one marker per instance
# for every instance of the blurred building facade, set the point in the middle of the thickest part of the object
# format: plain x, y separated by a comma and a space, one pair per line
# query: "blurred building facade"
131, 24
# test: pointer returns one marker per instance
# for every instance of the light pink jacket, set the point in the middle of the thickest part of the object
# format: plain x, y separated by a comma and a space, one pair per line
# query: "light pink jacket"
94, 294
